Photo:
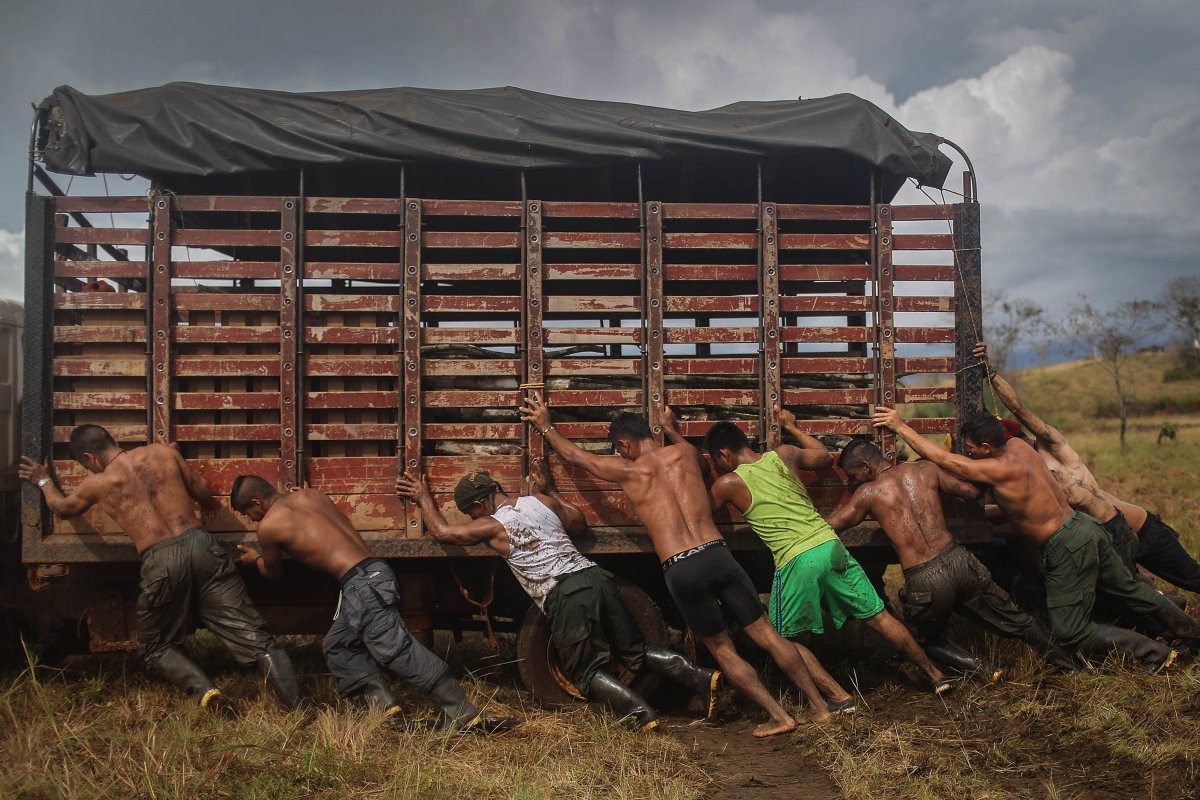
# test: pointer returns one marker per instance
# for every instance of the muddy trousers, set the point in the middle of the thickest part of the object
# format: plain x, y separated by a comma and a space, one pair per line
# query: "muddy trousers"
1078, 562
1160, 552
955, 580
368, 633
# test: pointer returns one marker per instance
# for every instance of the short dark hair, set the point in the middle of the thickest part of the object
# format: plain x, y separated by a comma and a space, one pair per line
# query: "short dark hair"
860, 450
629, 426
247, 488
984, 429
725, 436
89, 439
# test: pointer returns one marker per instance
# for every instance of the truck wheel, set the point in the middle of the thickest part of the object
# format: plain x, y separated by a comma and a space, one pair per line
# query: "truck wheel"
538, 664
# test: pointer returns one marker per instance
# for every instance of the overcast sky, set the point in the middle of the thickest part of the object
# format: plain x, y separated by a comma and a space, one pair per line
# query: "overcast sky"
1082, 117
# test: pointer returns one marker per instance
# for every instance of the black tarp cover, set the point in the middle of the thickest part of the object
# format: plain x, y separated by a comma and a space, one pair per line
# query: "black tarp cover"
189, 129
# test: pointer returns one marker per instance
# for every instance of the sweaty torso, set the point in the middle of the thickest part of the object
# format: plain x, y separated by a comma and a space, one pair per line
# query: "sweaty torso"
669, 496
1076, 481
906, 503
309, 526
144, 492
1029, 495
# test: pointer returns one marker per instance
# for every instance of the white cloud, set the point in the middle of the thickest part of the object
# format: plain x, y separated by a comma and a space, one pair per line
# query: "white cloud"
12, 264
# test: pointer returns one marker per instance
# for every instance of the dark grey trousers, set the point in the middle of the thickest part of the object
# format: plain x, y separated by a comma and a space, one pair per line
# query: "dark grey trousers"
189, 581
368, 632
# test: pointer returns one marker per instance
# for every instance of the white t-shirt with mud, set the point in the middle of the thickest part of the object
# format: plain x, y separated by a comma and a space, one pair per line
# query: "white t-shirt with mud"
539, 550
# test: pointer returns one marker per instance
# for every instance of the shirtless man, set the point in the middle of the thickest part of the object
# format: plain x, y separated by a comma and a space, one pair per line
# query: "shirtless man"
1077, 557
149, 492
667, 490
813, 569
368, 630
589, 622
1139, 537
940, 577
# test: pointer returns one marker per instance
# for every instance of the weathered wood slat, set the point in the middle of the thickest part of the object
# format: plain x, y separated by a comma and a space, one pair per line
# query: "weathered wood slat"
711, 272
477, 336
245, 334
712, 335
924, 241
213, 237
100, 205
605, 272
351, 271
492, 367
101, 301
89, 401
186, 366
710, 211
226, 401
729, 365
473, 431
825, 272
471, 272
128, 236
813, 304
909, 213
825, 334
913, 303
435, 303
315, 300
328, 366
712, 397
588, 240
827, 365
925, 335
225, 270
99, 269
932, 364
711, 241
924, 272
94, 366
824, 241
227, 433
352, 205
76, 334
196, 301
927, 394
472, 239
227, 203
790, 211
559, 367
803, 397
559, 209
471, 208
603, 304
560, 336
342, 335
350, 399
351, 432
335, 238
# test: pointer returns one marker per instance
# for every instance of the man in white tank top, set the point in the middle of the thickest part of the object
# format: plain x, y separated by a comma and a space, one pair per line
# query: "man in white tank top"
589, 623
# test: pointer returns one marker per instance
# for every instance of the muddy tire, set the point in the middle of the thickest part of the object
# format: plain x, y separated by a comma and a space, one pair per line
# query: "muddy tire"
537, 660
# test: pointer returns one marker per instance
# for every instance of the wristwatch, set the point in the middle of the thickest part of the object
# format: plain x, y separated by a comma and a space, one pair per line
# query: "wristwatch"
43, 481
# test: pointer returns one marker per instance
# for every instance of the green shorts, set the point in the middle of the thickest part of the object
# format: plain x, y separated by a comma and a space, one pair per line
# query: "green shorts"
828, 577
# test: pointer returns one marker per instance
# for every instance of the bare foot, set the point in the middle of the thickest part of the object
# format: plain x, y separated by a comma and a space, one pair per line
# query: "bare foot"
817, 718
775, 727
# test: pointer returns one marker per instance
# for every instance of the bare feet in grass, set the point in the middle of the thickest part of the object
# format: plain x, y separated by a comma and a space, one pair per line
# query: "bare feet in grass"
775, 727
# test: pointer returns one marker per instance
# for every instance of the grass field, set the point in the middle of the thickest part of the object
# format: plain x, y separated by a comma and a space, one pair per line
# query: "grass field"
98, 728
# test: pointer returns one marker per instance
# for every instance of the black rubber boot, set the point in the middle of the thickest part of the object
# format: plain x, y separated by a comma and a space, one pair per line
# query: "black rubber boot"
623, 700
957, 658
1039, 638
175, 667
380, 698
276, 666
457, 710
1154, 656
703, 682
1176, 623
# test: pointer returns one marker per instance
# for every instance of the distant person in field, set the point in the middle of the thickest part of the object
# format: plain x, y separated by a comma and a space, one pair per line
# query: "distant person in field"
1077, 557
1138, 536
666, 487
814, 573
940, 577
590, 624
186, 577
368, 629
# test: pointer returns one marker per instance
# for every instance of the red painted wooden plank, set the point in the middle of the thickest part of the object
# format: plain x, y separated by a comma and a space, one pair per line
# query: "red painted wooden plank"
913, 303
213, 237
825, 241
314, 300
595, 397
324, 366
451, 398
342, 335
711, 241
226, 270
582, 240
352, 205
344, 432
92, 401
608, 210
351, 271
226, 401
336, 238
99, 269
788, 211
471, 239
826, 365
925, 335
908, 213
130, 236
603, 304
711, 272
710, 211
825, 334
730, 365
350, 400
100, 205
197, 301
927, 394
713, 305
614, 272
478, 336
810, 304
560, 336
74, 334
92, 366
226, 203
712, 335
924, 272
825, 272
471, 208
217, 366
434, 303
712, 397
495, 367
934, 364
932, 425
801, 397
471, 272
593, 366
473, 431
193, 334
107, 301
924, 241
227, 433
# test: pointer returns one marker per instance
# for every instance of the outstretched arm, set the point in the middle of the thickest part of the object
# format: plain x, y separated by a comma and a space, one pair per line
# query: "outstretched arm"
59, 503
1008, 396
541, 485
957, 465
666, 418
537, 413
953, 485
414, 488
810, 454
852, 512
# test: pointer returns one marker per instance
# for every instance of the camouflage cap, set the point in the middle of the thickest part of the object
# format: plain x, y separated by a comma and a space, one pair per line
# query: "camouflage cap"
472, 487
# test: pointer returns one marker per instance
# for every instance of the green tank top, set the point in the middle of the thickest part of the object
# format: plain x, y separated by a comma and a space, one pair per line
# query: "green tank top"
781, 512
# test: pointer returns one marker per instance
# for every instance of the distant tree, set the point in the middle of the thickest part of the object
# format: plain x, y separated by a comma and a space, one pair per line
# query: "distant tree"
1182, 301
1007, 322
1113, 337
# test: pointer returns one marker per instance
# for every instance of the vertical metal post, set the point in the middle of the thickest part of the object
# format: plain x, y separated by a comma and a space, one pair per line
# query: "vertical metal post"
968, 312
411, 353
160, 321
653, 331
771, 365
289, 423
300, 323
533, 363
37, 402
885, 323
